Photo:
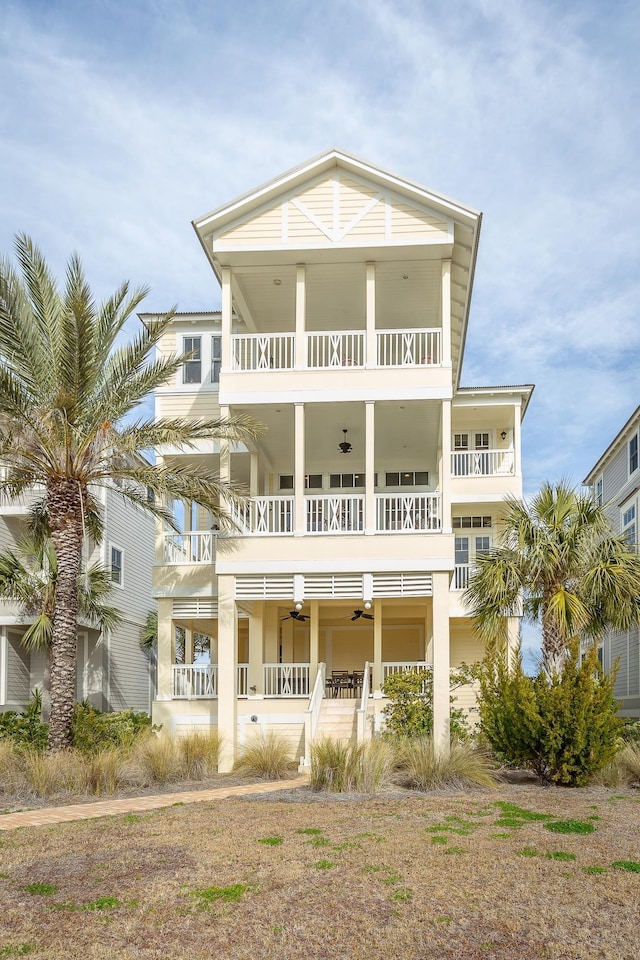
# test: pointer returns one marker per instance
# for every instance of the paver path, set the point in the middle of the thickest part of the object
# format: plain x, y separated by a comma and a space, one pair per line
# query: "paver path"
109, 808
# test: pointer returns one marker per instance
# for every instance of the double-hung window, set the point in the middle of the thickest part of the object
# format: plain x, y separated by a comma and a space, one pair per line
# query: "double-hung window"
216, 358
633, 454
192, 368
116, 566
629, 525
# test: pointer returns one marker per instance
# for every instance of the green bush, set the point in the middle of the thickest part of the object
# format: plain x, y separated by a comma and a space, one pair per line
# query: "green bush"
94, 730
562, 727
409, 712
25, 729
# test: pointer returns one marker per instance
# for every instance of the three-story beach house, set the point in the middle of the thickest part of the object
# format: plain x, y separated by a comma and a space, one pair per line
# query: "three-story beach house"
378, 479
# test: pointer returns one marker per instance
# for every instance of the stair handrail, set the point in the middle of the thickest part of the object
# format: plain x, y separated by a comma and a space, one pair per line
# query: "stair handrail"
317, 697
361, 712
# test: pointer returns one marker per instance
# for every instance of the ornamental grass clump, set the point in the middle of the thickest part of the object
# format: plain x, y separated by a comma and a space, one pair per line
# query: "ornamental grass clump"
157, 759
350, 767
421, 767
265, 755
198, 753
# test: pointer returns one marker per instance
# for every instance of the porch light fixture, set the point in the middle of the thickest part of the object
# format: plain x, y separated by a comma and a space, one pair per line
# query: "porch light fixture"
345, 446
367, 605
503, 435
298, 607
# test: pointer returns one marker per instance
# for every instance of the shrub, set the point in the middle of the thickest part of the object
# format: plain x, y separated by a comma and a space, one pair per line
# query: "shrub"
94, 730
563, 727
349, 767
25, 728
265, 755
409, 712
198, 753
423, 768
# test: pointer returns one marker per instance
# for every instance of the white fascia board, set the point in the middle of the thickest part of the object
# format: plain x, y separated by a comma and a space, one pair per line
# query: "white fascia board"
230, 398
376, 565
478, 498
619, 440
199, 447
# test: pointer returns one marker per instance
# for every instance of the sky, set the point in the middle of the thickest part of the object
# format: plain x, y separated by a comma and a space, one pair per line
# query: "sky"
123, 120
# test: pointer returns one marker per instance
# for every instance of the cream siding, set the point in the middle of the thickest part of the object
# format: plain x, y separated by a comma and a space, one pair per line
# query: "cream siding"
265, 228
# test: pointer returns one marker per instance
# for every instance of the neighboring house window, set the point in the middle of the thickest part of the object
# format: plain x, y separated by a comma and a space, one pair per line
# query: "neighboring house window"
116, 565
216, 358
192, 370
633, 454
599, 492
629, 525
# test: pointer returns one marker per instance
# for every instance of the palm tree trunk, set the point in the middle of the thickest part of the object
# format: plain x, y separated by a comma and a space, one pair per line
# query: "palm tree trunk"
554, 645
65, 517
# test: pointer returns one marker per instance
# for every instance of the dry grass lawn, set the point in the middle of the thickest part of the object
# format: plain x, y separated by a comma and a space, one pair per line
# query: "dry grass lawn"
301, 878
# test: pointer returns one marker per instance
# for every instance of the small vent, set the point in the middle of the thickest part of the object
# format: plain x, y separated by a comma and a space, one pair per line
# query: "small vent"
402, 585
264, 588
329, 587
195, 608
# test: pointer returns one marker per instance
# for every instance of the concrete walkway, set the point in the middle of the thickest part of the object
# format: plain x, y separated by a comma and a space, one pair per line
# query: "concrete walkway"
109, 808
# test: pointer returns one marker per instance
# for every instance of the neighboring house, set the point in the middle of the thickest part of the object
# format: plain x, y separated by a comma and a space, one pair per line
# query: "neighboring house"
113, 673
345, 297
615, 483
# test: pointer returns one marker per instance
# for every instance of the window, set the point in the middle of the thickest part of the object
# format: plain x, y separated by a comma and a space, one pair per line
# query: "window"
633, 454
483, 545
116, 565
599, 492
629, 525
192, 369
346, 480
286, 482
462, 550
460, 523
313, 481
481, 441
216, 358
407, 478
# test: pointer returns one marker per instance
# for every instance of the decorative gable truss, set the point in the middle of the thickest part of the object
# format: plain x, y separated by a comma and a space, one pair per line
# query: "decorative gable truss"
335, 210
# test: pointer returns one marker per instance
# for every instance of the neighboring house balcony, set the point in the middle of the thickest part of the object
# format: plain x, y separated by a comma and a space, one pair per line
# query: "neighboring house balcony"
21, 505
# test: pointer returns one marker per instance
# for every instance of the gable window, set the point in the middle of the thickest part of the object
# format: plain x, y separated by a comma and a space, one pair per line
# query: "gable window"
116, 565
633, 454
192, 369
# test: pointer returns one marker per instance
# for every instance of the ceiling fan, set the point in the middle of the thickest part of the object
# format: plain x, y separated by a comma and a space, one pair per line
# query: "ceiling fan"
357, 614
295, 615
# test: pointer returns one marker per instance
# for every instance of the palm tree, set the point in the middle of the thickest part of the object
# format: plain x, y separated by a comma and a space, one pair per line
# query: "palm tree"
29, 577
70, 393
559, 560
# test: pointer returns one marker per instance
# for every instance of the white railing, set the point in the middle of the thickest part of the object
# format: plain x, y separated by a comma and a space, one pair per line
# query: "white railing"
408, 348
407, 512
194, 681
461, 576
363, 709
264, 516
286, 679
482, 463
344, 348
315, 703
258, 351
389, 668
331, 514
199, 681
195, 547
242, 681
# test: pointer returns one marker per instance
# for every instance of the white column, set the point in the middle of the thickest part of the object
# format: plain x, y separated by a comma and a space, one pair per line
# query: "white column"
517, 441
286, 641
441, 658
227, 672
225, 327
188, 646
377, 646
4, 664
369, 447
445, 468
272, 635
256, 628
253, 474
166, 649
445, 359
298, 473
372, 347
225, 460
513, 638
314, 639
301, 310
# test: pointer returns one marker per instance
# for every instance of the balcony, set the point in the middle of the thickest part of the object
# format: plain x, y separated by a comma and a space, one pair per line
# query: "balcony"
199, 681
419, 347
483, 463
195, 547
